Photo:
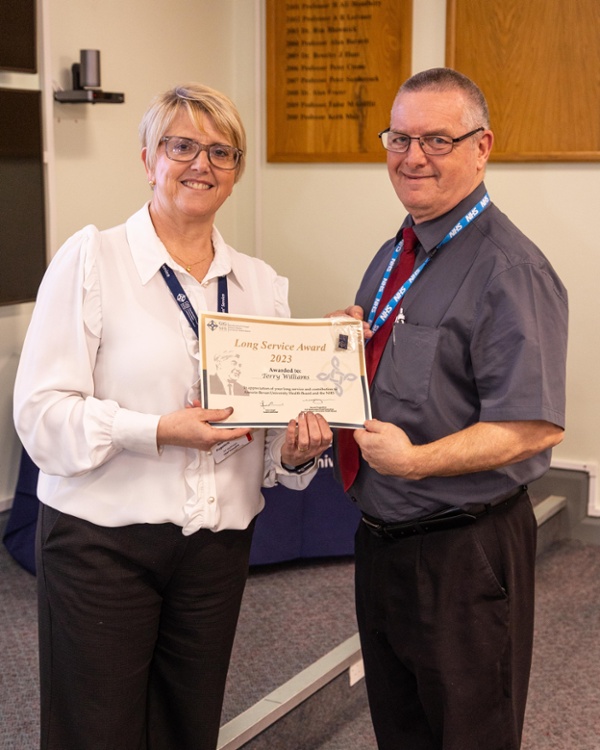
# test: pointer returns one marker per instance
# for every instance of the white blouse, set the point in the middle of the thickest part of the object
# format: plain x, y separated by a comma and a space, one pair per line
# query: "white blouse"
108, 351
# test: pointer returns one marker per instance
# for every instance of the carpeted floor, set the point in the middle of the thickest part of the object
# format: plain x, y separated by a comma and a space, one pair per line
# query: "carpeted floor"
293, 614
563, 711
18, 647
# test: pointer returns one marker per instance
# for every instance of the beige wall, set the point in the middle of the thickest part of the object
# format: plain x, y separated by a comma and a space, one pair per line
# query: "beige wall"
317, 223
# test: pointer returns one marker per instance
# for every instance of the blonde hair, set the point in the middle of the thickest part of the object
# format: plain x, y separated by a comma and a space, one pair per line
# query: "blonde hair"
198, 101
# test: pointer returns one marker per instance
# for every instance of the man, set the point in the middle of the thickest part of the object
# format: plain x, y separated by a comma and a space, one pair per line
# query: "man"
468, 399
228, 371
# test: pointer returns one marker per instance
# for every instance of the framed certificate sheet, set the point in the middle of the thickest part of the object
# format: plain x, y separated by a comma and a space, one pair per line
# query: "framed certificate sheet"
271, 369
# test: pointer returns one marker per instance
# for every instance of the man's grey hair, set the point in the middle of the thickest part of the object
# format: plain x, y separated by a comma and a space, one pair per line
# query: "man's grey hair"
448, 79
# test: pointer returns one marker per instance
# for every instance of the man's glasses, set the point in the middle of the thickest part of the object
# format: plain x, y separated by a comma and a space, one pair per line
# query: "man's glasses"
185, 149
433, 145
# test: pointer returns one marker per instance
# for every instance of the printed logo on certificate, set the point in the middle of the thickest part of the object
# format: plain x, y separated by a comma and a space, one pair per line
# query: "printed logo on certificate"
271, 369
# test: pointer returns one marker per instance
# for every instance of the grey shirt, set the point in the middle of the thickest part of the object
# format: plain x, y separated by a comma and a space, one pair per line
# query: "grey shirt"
484, 339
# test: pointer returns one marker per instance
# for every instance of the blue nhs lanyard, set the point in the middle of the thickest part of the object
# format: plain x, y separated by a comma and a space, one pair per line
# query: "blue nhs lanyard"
182, 299
375, 325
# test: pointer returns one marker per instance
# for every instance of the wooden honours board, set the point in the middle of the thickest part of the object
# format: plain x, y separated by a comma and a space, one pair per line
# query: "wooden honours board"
538, 65
333, 69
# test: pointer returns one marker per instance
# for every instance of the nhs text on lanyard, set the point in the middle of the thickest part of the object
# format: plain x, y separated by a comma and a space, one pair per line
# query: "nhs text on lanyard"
224, 449
375, 325
182, 299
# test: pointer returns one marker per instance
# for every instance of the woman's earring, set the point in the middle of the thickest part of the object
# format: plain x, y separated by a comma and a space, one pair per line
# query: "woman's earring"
151, 183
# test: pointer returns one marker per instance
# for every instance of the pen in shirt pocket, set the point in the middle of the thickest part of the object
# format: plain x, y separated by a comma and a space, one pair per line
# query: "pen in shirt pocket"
400, 318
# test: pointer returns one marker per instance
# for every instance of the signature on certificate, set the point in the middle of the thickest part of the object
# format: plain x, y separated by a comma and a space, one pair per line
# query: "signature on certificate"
270, 407
336, 376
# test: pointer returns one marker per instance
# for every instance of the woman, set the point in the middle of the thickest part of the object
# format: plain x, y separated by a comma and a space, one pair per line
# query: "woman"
144, 531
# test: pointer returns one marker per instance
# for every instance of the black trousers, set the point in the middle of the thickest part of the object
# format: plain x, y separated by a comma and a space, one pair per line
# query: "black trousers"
136, 627
446, 628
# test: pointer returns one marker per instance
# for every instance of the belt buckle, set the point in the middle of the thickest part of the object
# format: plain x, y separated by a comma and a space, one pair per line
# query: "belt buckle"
375, 528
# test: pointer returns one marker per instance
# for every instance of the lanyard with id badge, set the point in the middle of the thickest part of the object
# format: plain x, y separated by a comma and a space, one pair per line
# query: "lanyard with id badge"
376, 323
220, 451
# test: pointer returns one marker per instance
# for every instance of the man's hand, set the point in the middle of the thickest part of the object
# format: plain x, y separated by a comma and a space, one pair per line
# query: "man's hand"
483, 446
356, 312
387, 449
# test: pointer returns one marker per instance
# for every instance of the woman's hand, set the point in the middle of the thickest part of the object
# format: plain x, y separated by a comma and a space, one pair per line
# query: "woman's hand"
356, 312
305, 438
189, 428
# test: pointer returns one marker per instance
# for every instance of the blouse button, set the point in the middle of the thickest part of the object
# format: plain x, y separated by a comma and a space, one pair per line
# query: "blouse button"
211, 499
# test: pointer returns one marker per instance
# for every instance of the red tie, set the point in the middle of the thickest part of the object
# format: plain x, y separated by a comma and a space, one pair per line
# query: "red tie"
348, 452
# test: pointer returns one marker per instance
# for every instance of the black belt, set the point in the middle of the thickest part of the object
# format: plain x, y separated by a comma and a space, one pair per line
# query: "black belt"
451, 518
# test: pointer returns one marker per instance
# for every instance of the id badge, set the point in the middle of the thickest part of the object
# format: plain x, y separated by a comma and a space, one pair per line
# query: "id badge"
227, 448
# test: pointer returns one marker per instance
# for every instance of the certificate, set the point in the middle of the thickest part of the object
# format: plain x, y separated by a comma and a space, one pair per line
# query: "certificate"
271, 369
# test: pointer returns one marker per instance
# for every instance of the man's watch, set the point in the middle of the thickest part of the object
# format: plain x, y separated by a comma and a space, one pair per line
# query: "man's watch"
301, 468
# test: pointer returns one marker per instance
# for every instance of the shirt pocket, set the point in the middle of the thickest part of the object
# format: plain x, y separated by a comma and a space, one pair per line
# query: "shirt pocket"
407, 363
